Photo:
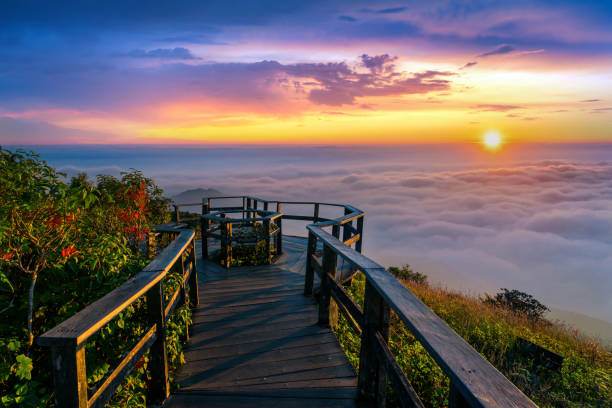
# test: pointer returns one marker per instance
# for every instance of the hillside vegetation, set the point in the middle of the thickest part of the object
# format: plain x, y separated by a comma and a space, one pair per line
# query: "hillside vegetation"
64, 245
494, 329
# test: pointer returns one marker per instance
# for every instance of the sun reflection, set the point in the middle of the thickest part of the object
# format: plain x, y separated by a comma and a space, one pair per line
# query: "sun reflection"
492, 140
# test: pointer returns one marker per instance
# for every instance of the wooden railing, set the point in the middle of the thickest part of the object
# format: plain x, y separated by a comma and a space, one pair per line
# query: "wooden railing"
218, 225
68, 340
474, 382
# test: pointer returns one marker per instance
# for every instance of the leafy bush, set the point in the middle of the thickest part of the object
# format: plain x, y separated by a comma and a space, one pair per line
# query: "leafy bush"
406, 273
519, 302
62, 246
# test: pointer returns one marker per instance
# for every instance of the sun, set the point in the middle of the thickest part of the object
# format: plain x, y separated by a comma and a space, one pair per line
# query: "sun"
492, 140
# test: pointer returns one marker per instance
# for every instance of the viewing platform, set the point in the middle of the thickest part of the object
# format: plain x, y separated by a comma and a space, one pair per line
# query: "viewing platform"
261, 334
256, 342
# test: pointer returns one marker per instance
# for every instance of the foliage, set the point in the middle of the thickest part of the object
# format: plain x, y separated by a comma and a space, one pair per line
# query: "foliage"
62, 246
585, 378
519, 302
407, 274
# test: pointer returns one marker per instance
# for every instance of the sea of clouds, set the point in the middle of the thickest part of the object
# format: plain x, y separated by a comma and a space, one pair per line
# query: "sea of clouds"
531, 222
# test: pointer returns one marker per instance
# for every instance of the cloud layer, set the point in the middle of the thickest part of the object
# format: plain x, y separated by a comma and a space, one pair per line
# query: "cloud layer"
543, 225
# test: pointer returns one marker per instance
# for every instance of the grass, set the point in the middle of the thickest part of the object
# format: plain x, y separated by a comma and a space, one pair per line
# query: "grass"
585, 378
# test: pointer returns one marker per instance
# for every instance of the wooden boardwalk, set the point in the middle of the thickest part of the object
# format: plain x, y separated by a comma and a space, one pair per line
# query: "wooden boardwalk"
255, 341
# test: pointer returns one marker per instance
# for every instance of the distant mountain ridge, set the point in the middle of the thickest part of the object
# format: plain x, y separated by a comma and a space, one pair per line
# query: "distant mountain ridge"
195, 195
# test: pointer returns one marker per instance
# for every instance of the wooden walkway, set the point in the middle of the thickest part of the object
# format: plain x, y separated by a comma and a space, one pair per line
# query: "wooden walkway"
255, 341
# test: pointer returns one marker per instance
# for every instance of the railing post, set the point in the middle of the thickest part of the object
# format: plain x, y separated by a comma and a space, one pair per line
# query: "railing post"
346, 233
205, 225
267, 235
329, 268
279, 236
336, 231
310, 250
181, 265
69, 376
316, 212
177, 213
226, 244
159, 387
455, 399
194, 296
265, 206
249, 206
372, 380
358, 244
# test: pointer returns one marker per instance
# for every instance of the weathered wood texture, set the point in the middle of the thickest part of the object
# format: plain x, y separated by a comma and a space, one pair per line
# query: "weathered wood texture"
256, 342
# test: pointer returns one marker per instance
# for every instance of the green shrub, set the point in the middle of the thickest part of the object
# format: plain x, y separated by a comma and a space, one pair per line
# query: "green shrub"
62, 246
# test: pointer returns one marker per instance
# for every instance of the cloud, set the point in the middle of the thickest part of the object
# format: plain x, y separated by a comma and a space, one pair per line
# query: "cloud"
469, 64
495, 107
177, 53
392, 10
590, 100
503, 49
347, 18
264, 86
377, 63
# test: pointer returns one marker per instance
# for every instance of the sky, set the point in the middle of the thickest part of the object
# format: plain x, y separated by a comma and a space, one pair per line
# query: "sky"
297, 72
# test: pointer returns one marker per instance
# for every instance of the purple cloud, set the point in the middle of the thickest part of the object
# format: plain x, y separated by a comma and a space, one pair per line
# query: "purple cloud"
503, 49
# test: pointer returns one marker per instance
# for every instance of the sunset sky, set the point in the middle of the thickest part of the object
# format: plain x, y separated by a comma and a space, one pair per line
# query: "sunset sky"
305, 72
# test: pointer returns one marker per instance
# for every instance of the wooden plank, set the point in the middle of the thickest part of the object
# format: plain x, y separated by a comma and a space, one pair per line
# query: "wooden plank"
191, 400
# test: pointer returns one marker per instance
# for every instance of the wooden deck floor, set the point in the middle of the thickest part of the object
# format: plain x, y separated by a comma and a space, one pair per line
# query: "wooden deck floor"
255, 341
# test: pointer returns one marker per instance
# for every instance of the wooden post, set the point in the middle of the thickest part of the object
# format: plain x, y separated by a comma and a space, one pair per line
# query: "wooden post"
372, 380
455, 399
159, 386
227, 244
316, 212
346, 232
267, 235
249, 206
336, 231
358, 244
278, 207
69, 376
329, 268
310, 250
265, 206
205, 225
177, 214
279, 236
181, 268
194, 296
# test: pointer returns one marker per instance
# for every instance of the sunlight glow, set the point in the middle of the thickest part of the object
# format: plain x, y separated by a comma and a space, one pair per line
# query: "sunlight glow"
492, 140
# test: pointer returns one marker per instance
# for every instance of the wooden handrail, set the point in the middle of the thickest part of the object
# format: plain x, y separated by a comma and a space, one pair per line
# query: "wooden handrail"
474, 381
67, 340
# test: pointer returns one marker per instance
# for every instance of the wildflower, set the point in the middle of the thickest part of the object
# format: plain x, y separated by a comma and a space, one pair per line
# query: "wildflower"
68, 252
